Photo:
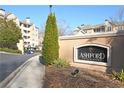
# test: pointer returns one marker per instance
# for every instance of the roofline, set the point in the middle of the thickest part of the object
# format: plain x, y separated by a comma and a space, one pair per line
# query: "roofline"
99, 25
95, 35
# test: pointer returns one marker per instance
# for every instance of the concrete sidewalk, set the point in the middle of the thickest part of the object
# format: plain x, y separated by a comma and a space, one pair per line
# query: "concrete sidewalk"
30, 77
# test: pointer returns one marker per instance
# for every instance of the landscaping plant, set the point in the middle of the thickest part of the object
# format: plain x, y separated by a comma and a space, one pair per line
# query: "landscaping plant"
9, 34
61, 63
50, 50
119, 75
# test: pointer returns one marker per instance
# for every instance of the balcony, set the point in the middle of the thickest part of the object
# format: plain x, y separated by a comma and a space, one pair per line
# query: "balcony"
24, 28
26, 36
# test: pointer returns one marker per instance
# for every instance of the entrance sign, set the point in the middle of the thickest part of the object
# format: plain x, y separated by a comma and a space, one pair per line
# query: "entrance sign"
92, 53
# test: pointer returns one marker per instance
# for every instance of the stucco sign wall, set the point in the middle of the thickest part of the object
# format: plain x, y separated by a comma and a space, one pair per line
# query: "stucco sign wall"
99, 52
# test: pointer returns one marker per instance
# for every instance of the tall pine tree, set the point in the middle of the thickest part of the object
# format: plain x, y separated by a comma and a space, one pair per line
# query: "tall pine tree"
50, 49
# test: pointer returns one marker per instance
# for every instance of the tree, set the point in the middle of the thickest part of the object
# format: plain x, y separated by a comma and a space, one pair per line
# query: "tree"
50, 48
9, 34
63, 27
119, 15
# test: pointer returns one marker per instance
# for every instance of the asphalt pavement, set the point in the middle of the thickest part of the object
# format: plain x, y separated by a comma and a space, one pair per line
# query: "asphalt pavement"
10, 62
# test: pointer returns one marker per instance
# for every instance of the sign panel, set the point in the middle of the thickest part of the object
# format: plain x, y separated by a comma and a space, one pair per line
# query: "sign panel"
92, 53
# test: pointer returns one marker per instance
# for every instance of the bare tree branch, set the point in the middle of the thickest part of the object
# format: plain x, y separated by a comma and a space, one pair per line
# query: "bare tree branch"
63, 27
118, 17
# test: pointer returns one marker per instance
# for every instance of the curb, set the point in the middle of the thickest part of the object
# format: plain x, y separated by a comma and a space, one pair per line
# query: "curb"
10, 53
7, 80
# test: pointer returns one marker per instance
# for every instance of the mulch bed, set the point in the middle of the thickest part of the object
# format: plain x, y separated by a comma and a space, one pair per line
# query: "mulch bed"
62, 78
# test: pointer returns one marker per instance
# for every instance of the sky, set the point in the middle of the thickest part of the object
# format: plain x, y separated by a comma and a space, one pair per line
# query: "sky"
71, 15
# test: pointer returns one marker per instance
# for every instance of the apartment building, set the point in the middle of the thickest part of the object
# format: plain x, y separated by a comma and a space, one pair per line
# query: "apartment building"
28, 29
9, 16
40, 45
105, 27
29, 33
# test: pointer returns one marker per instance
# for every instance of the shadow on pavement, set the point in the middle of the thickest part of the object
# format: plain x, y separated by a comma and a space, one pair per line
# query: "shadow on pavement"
41, 60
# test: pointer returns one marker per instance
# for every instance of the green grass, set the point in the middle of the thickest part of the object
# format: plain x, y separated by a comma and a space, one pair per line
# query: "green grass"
10, 50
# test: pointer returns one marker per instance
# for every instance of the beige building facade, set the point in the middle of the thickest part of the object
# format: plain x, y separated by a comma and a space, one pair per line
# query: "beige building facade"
107, 26
29, 33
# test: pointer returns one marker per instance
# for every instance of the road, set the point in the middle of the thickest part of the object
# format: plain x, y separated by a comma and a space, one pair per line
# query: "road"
9, 62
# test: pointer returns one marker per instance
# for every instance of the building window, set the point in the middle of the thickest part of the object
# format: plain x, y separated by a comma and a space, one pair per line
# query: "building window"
120, 27
33, 44
26, 31
24, 25
25, 43
27, 25
97, 30
108, 28
94, 30
20, 23
101, 29
26, 37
